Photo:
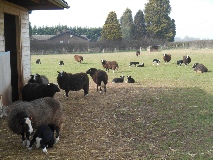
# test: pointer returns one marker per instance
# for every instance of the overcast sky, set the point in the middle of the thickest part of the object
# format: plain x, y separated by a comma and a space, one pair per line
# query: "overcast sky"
193, 18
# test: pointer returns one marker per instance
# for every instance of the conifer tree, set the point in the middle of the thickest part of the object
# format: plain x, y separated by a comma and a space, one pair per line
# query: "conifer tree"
127, 25
139, 25
111, 30
157, 19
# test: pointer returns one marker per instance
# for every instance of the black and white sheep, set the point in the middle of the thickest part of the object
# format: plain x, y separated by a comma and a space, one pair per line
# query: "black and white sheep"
130, 79
61, 63
118, 80
38, 61
133, 63
44, 137
32, 91
110, 65
140, 65
180, 62
186, 60
37, 78
156, 61
166, 57
137, 53
199, 68
78, 58
26, 116
73, 82
98, 76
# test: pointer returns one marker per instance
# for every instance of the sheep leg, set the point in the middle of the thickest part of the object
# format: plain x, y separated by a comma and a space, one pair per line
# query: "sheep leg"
43, 146
57, 129
105, 88
67, 93
23, 139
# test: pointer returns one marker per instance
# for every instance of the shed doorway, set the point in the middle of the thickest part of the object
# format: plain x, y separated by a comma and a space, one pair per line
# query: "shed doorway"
10, 35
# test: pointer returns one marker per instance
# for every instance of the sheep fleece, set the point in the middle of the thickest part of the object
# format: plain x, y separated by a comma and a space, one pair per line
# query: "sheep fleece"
43, 111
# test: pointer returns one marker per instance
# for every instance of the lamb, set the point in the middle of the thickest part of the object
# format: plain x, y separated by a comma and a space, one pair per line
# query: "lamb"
44, 137
200, 68
137, 53
26, 116
109, 65
130, 79
73, 82
166, 57
40, 79
157, 61
38, 61
133, 63
140, 65
186, 60
98, 76
78, 58
179, 62
32, 91
61, 63
118, 80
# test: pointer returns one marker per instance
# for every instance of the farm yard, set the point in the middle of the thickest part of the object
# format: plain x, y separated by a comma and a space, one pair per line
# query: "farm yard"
166, 114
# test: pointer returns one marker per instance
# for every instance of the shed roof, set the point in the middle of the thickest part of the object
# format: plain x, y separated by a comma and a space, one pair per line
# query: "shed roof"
41, 4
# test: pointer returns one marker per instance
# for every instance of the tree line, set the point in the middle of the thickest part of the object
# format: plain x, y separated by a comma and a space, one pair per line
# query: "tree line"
153, 23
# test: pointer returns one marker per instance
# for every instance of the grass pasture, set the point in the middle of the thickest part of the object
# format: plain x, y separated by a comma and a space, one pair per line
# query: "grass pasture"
166, 114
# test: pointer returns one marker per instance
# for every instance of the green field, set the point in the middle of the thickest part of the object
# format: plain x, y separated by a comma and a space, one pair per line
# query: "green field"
166, 114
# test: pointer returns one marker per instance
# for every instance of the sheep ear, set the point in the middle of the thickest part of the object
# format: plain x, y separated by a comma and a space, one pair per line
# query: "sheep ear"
58, 71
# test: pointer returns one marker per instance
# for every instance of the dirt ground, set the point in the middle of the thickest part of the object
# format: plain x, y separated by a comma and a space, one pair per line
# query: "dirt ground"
116, 125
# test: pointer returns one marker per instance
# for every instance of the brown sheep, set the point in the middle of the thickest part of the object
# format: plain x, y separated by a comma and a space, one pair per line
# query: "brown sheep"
78, 58
166, 57
110, 65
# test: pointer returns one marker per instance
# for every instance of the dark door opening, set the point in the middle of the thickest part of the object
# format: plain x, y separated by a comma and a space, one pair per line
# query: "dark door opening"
10, 45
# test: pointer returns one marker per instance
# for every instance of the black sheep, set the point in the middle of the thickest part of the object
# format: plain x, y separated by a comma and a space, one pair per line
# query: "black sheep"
38, 61
61, 63
32, 91
166, 57
118, 80
73, 82
44, 137
133, 63
157, 61
186, 60
130, 79
98, 76
40, 79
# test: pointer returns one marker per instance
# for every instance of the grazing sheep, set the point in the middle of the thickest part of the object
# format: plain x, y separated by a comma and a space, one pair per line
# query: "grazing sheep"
32, 91
140, 65
166, 57
44, 137
78, 58
179, 62
130, 79
200, 68
133, 63
98, 76
137, 53
186, 60
109, 65
26, 116
40, 79
156, 61
73, 82
61, 63
118, 80
38, 61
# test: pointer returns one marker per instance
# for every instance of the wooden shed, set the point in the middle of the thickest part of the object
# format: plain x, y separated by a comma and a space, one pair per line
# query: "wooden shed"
15, 68
154, 48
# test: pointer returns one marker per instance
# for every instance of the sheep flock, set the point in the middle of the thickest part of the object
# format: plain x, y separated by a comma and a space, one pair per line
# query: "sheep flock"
41, 114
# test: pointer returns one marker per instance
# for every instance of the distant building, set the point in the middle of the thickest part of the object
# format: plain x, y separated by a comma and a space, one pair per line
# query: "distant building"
155, 48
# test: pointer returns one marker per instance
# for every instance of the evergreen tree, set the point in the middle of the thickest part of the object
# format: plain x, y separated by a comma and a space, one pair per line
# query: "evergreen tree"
127, 25
157, 19
140, 26
111, 30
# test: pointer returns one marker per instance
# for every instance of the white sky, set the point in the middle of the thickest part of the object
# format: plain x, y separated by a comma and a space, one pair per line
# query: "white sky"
193, 18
